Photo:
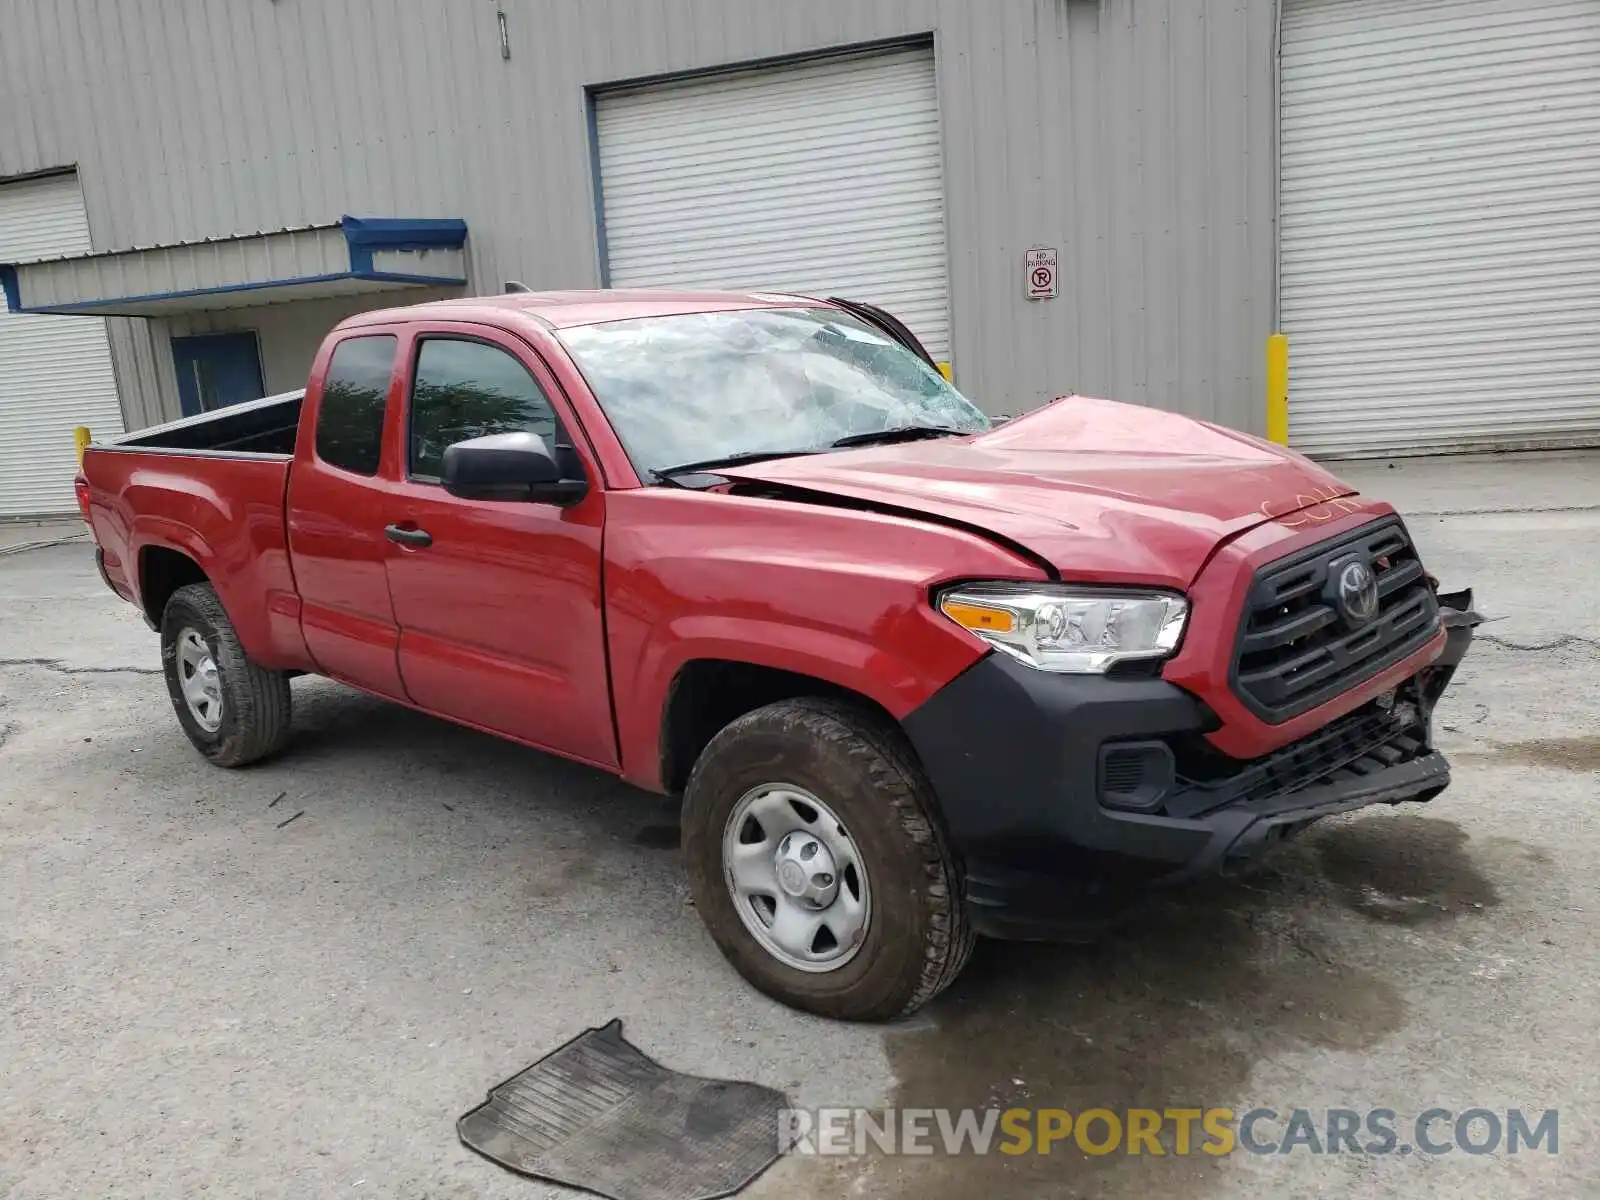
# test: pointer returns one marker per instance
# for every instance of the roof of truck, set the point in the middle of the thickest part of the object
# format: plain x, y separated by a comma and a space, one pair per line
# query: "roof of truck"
561, 310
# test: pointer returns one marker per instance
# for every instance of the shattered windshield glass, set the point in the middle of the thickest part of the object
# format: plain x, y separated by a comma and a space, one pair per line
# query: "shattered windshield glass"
704, 386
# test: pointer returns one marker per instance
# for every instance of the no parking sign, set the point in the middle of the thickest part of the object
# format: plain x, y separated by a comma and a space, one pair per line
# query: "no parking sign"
1039, 273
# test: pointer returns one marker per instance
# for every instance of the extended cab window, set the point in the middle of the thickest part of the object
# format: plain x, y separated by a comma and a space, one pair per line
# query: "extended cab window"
355, 392
466, 390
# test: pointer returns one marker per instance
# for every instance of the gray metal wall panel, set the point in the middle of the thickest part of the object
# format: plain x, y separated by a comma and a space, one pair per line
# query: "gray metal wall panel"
1135, 135
146, 378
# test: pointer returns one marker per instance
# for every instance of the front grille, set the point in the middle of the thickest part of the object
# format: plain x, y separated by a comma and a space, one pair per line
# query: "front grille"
1297, 648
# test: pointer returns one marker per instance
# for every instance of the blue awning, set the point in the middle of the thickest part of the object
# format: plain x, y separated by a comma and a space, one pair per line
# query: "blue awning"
353, 255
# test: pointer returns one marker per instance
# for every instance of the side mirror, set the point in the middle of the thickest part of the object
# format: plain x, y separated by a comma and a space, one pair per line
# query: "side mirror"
508, 466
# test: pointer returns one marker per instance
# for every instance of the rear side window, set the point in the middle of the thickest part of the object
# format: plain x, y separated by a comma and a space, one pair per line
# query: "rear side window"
355, 392
467, 390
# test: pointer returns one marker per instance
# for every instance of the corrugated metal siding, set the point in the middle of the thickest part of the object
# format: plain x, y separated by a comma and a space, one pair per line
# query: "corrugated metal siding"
147, 379
1441, 223
822, 179
291, 254
1134, 135
55, 372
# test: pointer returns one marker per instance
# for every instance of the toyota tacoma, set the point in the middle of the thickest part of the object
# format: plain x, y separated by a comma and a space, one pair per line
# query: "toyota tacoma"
915, 675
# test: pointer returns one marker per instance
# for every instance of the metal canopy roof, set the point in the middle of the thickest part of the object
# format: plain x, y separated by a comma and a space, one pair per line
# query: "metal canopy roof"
356, 254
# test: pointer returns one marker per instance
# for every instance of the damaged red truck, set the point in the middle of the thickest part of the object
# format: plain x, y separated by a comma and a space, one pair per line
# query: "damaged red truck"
915, 677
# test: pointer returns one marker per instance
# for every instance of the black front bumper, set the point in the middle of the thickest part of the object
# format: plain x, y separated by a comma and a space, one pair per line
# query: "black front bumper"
1016, 757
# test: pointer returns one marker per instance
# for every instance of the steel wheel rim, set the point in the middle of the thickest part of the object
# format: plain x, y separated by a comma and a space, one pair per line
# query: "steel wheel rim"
198, 680
796, 878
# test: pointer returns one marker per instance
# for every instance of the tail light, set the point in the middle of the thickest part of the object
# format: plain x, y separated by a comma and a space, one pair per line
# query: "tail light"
80, 485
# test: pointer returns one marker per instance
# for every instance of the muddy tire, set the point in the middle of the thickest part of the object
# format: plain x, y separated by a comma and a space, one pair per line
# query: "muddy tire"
234, 711
824, 806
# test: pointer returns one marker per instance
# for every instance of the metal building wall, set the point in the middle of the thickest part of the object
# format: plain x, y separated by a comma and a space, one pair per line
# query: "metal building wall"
1134, 135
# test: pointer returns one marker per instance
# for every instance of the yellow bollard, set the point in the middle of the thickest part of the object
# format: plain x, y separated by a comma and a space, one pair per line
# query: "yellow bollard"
1278, 389
81, 438
944, 369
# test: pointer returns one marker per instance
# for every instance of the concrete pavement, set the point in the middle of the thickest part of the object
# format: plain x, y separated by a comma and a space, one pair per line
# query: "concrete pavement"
16, 536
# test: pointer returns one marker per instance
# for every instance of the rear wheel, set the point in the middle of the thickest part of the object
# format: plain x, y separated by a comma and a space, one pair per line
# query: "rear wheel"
234, 711
818, 863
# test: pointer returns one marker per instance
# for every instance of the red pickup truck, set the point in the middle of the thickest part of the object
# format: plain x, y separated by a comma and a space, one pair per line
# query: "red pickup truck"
915, 676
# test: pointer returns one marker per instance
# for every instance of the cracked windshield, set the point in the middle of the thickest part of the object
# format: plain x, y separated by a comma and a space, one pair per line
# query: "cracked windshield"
707, 386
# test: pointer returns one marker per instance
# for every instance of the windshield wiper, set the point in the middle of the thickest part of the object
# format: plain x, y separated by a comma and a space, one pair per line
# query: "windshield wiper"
900, 433
708, 466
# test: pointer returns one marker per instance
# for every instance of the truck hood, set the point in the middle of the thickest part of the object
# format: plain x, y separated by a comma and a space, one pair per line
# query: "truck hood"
1102, 491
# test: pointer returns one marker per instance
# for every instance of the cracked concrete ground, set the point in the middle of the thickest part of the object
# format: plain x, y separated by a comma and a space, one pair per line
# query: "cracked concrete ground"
199, 999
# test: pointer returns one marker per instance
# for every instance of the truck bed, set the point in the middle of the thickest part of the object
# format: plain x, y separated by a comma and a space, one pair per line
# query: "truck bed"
206, 489
265, 426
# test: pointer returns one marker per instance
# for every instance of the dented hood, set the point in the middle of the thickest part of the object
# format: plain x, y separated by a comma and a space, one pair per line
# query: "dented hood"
1103, 491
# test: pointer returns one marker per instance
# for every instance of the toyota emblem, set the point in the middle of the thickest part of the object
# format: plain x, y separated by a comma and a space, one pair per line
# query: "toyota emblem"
1358, 593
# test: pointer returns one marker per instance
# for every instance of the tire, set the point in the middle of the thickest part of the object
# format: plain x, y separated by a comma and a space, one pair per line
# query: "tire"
916, 937
255, 704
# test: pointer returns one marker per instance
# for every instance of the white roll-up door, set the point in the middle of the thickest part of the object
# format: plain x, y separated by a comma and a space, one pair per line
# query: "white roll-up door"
822, 179
55, 372
1440, 236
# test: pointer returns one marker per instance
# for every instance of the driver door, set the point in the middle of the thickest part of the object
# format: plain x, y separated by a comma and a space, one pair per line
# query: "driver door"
497, 601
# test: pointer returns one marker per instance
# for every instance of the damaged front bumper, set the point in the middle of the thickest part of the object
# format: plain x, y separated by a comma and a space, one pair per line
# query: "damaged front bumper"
1405, 767
1037, 778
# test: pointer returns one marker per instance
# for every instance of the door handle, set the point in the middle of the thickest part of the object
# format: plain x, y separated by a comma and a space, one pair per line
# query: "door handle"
417, 538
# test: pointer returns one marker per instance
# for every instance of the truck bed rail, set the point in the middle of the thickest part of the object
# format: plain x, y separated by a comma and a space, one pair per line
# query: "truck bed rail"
258, 428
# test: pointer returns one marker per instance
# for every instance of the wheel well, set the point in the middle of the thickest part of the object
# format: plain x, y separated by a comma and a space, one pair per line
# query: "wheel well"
162, 572
708, 694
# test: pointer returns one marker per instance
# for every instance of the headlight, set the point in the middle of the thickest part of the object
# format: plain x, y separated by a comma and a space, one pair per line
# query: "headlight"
1057, 627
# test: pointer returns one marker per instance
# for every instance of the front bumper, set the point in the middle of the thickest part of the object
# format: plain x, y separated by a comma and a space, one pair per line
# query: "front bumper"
1015, 756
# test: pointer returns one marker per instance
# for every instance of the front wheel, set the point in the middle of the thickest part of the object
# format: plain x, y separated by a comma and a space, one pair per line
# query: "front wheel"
234, 711
818, 863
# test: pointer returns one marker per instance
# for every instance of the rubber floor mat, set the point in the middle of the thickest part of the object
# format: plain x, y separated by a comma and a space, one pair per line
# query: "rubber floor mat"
599, 1115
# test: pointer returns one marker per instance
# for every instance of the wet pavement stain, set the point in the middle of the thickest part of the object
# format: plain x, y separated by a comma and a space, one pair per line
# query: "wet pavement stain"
1580, 753
1174, 1012
1403, 869
658, 837
576, 876
1520, 853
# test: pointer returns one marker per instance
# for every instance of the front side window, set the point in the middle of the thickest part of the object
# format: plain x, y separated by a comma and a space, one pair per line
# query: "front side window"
355, 393
701, 386
467, 390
